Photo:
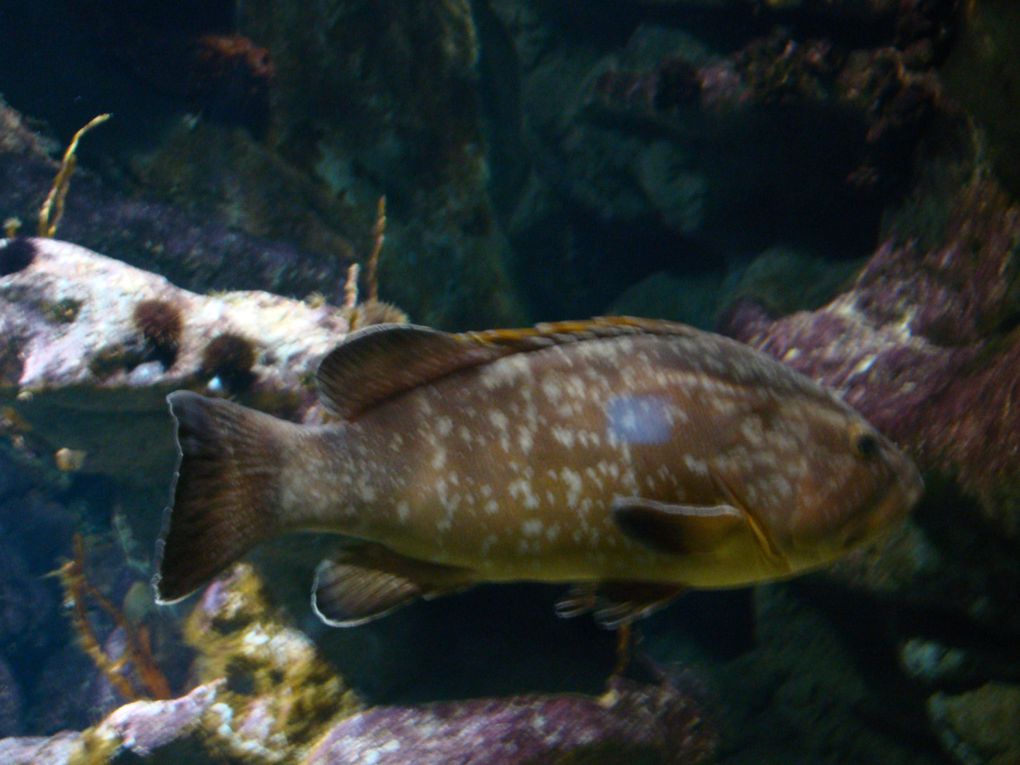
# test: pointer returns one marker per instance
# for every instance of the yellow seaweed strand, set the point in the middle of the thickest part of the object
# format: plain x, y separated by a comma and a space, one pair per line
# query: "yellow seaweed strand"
52, 209
379, 232
138, 647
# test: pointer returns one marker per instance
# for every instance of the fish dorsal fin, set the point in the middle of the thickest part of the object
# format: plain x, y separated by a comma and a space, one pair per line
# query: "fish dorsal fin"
381, 361
566, 332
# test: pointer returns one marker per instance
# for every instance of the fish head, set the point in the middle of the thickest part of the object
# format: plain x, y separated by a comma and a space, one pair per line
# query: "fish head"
852, 485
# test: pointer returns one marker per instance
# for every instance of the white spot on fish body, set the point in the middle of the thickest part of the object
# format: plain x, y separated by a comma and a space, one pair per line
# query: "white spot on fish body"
574, 486
563, 436
403, 511
524, 438
492, 507
532, 527
439, 459
699, 467
443, 426
499, 420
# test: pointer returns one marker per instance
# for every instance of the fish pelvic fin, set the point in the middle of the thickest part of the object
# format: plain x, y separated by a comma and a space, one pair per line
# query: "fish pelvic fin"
616, 603
224, 493
369, 581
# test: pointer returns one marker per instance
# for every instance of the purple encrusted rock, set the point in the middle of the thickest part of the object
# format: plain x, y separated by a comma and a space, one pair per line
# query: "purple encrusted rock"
145, 727
925, 345
57, 749
660, 724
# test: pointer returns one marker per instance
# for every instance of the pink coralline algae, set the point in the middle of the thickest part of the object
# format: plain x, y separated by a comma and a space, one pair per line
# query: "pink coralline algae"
926, 346
654, 724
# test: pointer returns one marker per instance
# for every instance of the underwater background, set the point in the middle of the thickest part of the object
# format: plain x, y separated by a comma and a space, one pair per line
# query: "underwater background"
834, 182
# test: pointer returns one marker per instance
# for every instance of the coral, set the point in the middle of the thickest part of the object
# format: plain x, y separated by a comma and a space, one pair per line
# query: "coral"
230, 358
15, 255
147, 678
161, 324
279, 691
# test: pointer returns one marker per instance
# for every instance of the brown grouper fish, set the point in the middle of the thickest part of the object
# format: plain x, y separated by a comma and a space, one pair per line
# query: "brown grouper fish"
632, 458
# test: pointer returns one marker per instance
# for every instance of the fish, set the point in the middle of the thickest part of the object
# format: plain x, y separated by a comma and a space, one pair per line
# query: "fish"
630, 459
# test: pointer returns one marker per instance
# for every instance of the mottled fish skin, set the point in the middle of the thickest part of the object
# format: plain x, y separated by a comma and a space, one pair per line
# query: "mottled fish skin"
511, 469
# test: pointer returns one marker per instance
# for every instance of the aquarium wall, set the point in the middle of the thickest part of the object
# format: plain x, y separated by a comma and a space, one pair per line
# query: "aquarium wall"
833, 183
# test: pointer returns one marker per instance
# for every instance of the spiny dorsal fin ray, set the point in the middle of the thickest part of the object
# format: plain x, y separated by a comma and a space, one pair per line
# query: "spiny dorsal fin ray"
381, 361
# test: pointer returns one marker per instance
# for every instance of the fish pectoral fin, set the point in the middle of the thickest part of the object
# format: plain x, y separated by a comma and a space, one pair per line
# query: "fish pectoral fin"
616, 603
369, 581
674, 528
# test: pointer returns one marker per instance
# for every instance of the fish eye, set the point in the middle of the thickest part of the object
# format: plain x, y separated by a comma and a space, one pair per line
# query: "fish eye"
865, 445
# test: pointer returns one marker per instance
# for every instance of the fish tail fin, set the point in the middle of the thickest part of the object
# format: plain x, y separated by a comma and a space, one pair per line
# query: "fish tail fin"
224, 495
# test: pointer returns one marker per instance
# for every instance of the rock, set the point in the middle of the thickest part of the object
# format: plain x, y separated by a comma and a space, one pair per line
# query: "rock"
159, 730
79, 364
653, 724
395, 110
27, 608
921, 344
639, 149
59, 749
11, 702
803, 694
980, 727
192, 250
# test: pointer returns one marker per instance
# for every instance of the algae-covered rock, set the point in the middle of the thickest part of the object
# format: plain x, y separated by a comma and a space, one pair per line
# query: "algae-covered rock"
151, 731
981, 726
279, 690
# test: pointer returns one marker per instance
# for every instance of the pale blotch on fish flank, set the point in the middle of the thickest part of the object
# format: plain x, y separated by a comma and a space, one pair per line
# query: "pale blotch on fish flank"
444, 425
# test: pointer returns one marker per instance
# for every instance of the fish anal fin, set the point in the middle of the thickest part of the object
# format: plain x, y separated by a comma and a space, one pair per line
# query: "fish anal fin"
675, 528
615, 603
367, 582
